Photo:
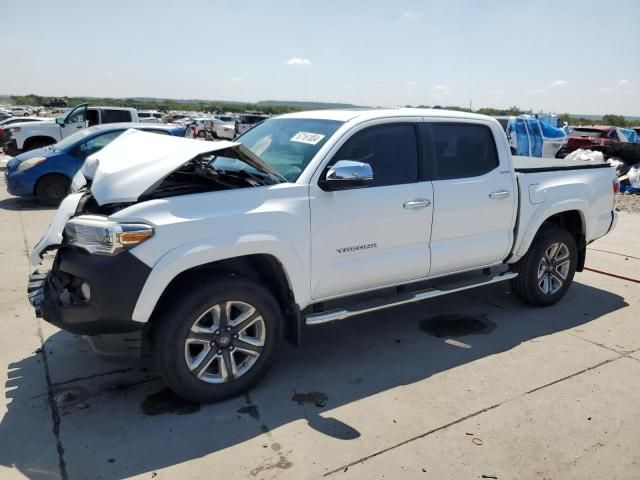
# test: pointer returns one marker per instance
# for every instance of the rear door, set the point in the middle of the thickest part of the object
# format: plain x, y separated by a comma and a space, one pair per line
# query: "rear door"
474, 196
364, 238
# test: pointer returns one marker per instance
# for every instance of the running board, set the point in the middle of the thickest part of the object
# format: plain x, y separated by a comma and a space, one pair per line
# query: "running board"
402, 299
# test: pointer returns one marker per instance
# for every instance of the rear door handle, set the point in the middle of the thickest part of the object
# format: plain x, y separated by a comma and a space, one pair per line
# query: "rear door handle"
417, 203
498, 194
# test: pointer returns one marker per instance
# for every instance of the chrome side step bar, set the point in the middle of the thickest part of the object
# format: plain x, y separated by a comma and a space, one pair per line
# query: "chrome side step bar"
394, 301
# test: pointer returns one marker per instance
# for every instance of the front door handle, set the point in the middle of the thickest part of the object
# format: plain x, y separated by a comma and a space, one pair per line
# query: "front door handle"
417, 203
498, 194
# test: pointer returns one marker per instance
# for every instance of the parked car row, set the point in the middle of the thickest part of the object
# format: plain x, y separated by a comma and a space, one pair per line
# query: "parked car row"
46, 173
16, 137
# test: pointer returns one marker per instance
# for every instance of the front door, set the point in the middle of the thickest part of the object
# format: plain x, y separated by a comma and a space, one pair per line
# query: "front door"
364, 238
74, 121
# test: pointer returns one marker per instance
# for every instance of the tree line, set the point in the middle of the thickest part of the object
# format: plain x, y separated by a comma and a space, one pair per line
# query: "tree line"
165, 105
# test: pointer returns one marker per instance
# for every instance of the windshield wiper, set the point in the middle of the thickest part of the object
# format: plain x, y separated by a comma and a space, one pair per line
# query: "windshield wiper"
244, 174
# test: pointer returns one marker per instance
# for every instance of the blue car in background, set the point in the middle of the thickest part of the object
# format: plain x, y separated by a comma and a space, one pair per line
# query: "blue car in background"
46, 173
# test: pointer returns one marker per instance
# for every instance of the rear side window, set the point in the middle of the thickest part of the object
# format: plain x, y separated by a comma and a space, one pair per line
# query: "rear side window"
115, 116
391, 150
463, 150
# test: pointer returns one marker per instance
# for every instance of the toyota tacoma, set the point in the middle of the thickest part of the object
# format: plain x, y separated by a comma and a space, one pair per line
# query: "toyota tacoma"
207, 254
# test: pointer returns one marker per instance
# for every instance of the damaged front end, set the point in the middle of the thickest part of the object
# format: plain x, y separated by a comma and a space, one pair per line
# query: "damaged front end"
94, 281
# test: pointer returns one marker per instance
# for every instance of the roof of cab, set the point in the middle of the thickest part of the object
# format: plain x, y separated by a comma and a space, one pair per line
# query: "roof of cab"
373, 113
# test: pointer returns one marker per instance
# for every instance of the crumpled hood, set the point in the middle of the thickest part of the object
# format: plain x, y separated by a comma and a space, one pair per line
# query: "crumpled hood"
137, 161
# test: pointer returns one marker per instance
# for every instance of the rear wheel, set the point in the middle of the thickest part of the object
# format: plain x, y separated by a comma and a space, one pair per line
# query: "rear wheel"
217, 339
546, 272
51, 189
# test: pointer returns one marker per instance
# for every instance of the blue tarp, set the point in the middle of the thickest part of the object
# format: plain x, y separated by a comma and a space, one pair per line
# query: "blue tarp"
527, 135
630, 135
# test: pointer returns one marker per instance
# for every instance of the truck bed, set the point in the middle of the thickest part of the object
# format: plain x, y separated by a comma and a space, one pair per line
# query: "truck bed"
537, 164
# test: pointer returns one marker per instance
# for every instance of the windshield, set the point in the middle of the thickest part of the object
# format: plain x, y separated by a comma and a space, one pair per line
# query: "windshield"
286, 144
75, 138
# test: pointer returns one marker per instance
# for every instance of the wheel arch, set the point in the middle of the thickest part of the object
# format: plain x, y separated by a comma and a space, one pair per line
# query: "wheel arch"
261, 267
35, 138
572, 220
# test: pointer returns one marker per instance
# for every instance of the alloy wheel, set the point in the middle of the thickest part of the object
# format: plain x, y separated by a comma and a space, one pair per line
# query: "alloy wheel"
225, 342
554, 268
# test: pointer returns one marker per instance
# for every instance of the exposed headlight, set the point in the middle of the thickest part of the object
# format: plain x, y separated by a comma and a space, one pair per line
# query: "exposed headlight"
31, 162
99, 235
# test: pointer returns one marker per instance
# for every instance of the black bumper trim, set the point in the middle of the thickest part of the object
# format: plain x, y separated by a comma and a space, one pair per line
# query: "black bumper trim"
115, 283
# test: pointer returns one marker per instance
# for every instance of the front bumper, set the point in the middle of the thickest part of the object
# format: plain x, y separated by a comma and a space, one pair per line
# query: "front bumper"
11, 148
115, 283
18, 184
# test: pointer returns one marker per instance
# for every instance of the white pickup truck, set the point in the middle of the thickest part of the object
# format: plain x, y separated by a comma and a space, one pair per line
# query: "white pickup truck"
32, 135
208, 253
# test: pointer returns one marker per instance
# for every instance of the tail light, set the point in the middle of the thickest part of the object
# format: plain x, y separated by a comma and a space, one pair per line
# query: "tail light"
616, 191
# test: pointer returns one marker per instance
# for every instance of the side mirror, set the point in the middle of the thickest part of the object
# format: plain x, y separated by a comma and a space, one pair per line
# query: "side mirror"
60, 121
347, 174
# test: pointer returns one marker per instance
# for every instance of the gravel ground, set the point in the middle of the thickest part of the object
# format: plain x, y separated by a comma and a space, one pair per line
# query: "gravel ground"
629, 203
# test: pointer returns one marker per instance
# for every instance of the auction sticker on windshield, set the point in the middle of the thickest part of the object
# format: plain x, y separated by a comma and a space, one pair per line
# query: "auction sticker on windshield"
306, 137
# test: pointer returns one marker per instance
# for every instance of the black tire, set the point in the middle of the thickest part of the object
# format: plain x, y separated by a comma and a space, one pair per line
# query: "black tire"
528, 285
202, 134
174, 323
51, 189
561, 153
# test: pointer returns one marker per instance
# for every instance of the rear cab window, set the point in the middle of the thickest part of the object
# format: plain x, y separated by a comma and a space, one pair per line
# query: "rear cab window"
116, 116
463, 150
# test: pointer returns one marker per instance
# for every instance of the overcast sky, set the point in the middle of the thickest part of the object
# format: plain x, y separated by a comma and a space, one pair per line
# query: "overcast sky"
570, 56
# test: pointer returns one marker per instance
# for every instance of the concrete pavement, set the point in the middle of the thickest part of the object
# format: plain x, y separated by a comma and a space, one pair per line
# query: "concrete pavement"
504, 390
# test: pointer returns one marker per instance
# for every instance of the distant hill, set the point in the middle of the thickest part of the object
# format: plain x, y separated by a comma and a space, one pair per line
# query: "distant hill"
599, 117
307, 105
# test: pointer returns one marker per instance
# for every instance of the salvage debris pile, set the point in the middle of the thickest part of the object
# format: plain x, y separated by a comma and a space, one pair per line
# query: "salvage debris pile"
624, 157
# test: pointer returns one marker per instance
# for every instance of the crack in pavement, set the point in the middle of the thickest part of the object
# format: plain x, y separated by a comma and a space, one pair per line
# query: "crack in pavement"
53, 406
55, 413
89, 377
613, 253
467, 417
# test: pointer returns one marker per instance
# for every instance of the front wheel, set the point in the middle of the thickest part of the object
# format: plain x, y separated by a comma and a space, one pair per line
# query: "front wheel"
51, 189
217, 338
546, 272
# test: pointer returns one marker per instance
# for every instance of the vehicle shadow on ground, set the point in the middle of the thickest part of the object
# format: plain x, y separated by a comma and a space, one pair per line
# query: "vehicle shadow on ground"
18, 203
124, 424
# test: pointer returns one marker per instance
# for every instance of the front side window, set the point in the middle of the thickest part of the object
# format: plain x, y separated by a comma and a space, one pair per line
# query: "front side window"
464, 150
99, 141
391, 151
77, 116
